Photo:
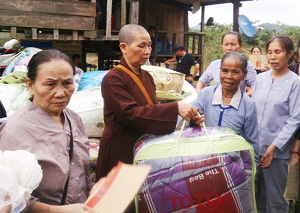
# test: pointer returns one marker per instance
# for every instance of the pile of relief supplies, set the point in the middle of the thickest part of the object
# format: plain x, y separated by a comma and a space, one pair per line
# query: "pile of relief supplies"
87, 99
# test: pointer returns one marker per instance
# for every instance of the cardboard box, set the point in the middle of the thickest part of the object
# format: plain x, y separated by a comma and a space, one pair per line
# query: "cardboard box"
260, 62
115, 192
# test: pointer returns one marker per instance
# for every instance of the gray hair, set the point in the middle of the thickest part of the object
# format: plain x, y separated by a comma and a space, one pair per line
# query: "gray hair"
129, 31
243, 60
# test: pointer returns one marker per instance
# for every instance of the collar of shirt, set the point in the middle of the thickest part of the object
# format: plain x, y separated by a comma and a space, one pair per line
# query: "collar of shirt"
235, 101
180, 58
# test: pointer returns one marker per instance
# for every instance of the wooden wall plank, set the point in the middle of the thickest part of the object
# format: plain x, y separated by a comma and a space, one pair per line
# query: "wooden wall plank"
43, 20
79, 8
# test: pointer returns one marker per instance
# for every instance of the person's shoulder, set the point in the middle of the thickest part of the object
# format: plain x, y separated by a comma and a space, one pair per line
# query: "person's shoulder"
294, 77
264, 75
208, 90
71, 114
113, 74
19, 119
218, 61
248, 102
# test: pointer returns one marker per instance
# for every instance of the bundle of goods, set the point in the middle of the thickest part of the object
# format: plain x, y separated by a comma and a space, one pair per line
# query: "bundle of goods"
92, 79
89, 105
168, 82
20, 61
196, 171
6, 52
13, 97
20, 175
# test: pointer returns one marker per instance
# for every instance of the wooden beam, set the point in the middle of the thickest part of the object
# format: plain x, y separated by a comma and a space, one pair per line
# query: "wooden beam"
44, 20
43, 36
67, 7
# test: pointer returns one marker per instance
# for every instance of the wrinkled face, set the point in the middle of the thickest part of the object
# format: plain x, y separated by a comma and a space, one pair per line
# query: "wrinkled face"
138, 52
53, 87
231, 74
256, 51
277, 56
230, 44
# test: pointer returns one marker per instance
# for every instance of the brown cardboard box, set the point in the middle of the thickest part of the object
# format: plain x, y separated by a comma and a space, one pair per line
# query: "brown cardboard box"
260, 62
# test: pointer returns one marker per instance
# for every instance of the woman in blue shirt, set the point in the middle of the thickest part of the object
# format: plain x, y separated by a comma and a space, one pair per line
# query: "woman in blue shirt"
276, 94
226, 105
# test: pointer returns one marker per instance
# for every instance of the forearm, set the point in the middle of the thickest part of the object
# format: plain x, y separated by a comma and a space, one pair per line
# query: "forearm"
295, 152
42, 207
170, 60
196, 70
199, 86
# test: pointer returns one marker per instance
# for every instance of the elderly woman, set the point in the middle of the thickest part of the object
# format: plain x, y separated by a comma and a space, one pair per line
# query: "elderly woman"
231, 42
55, 134
276, 94
225, 105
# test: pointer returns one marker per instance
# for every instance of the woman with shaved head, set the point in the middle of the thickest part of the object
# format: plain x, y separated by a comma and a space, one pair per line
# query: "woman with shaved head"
129, 112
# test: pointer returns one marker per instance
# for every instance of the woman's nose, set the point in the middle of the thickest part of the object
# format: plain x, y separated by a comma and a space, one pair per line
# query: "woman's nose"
60, 92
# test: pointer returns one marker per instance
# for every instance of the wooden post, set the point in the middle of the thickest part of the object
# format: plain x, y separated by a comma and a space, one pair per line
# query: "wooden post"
134, 12
201, 42
236, 7
34, 33
13, 32
55, 34
75, 34
123, 12
108, 19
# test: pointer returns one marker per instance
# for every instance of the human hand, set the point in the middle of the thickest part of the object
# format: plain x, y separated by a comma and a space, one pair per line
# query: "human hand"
249, 91
189, 78
198, 119
7, 208
97, 185
294, 159
187, 111
266, 160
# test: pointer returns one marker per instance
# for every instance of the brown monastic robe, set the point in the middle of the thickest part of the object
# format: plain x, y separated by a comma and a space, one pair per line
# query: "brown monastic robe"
128, 116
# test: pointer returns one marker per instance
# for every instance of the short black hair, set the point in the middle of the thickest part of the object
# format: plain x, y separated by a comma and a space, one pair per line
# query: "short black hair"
178, 47
152, 28
75, 56
44, 57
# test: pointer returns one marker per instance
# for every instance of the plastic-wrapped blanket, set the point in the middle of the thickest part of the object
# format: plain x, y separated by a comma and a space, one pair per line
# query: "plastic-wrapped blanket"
20, 174
88, 104
197, 173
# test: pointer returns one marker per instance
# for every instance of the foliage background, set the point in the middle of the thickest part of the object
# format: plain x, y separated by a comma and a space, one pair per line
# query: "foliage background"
213, 35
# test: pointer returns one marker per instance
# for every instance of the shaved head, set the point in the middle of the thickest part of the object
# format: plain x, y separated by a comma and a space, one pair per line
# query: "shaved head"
129, 32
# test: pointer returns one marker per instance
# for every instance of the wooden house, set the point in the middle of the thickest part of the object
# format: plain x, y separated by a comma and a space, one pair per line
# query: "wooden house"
71, 25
